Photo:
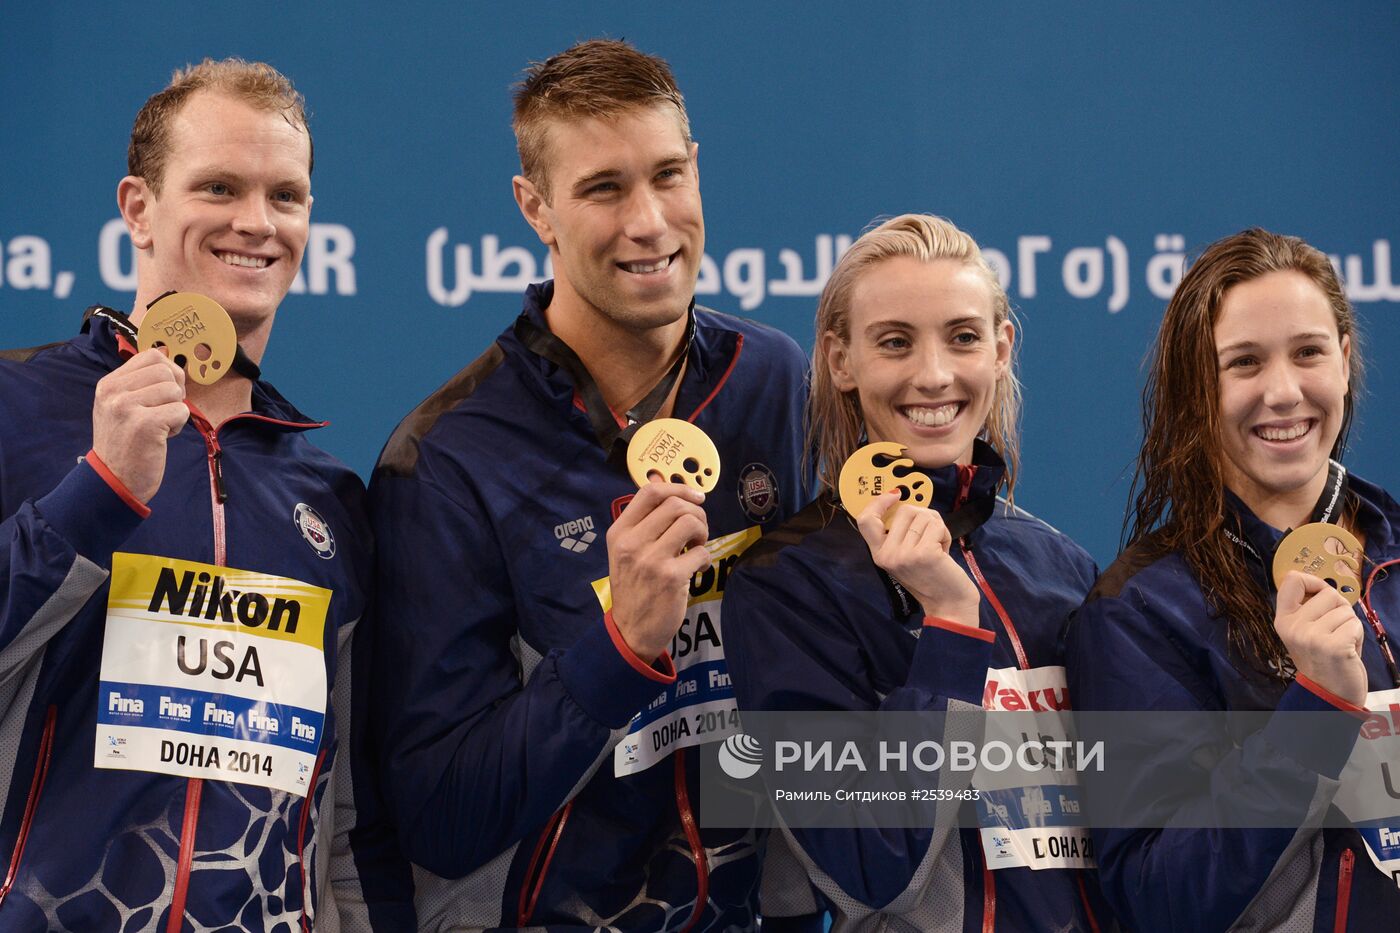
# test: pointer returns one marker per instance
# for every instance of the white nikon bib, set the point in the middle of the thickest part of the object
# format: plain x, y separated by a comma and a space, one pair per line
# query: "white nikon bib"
212, 672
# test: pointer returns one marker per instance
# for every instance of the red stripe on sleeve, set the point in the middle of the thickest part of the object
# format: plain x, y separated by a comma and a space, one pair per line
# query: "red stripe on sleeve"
118, 487
667, 672
959, 628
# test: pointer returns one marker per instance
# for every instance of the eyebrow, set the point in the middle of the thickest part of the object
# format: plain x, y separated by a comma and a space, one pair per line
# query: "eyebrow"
875, 327
205, 175
607, 174
1254, 345
892, 324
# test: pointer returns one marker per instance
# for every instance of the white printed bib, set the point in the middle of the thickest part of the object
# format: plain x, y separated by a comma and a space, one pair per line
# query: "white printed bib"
1370, 791
699, 707
1039, 826
212, 672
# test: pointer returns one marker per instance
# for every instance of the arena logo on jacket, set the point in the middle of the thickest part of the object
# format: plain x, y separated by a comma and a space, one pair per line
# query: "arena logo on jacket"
212, 672
1370, 784
699, 707
1034, 826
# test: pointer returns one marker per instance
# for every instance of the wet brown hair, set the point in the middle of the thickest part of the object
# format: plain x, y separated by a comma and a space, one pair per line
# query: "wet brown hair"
597, 78
255, 83
1180, 479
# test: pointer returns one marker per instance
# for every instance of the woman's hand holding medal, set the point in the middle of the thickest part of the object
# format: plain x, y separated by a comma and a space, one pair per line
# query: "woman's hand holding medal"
1322, 634
915, 551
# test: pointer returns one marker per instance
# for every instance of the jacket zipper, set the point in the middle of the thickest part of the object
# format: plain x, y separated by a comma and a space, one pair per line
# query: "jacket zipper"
965, 474
1084, 897
697, 849
529, 893
301, 839
31, 804
989, 898
1344, 868
533, 883
555, 828
194, 787
1021, 660
1382, 638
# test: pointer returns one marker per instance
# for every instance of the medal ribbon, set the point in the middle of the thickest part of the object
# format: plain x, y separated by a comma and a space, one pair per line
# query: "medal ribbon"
1328, 505
612, 436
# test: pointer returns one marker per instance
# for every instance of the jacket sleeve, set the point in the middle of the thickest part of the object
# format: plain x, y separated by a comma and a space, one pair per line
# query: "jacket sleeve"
55, 553
791, 647
1185, 871
479, 742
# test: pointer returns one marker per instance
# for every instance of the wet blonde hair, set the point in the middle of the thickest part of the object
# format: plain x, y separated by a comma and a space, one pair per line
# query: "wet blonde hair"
835, 425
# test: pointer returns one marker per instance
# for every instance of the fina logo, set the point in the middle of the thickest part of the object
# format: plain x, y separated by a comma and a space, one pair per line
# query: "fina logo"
740, 756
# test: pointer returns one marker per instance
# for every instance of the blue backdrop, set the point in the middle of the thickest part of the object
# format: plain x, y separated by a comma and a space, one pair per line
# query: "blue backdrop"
1089, 147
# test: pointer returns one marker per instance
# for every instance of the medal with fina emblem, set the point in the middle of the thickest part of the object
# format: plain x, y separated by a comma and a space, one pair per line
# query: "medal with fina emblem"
874, 470
1323, 550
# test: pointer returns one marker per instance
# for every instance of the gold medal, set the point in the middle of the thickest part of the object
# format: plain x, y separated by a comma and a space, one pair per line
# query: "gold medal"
1323, 550
675, 451
197, 332
874, 470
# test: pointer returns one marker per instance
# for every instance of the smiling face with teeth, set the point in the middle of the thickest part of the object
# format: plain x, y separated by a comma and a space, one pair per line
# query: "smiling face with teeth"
1284, 372
924, 355
231, 217
623, 222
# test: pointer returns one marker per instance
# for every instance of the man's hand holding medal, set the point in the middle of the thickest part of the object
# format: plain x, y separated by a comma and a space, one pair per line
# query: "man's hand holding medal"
657, 544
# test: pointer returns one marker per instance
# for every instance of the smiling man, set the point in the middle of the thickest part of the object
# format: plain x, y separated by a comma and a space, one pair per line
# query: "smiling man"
552, 649
182, 568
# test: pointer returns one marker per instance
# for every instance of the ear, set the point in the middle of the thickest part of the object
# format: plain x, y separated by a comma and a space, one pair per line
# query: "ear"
534, 209
1006, 340
135, 200
695, 160
837, 356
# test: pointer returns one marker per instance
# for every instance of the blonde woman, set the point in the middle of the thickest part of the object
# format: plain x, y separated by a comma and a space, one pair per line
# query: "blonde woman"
914, 345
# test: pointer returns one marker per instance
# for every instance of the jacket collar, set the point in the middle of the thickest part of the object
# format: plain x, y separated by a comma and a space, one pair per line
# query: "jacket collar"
1376, 514
974, 485
1253, 534
1262, 539
712, 351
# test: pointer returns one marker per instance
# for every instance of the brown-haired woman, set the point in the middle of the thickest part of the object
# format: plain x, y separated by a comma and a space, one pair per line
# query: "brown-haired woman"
1246, 413
954, 605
